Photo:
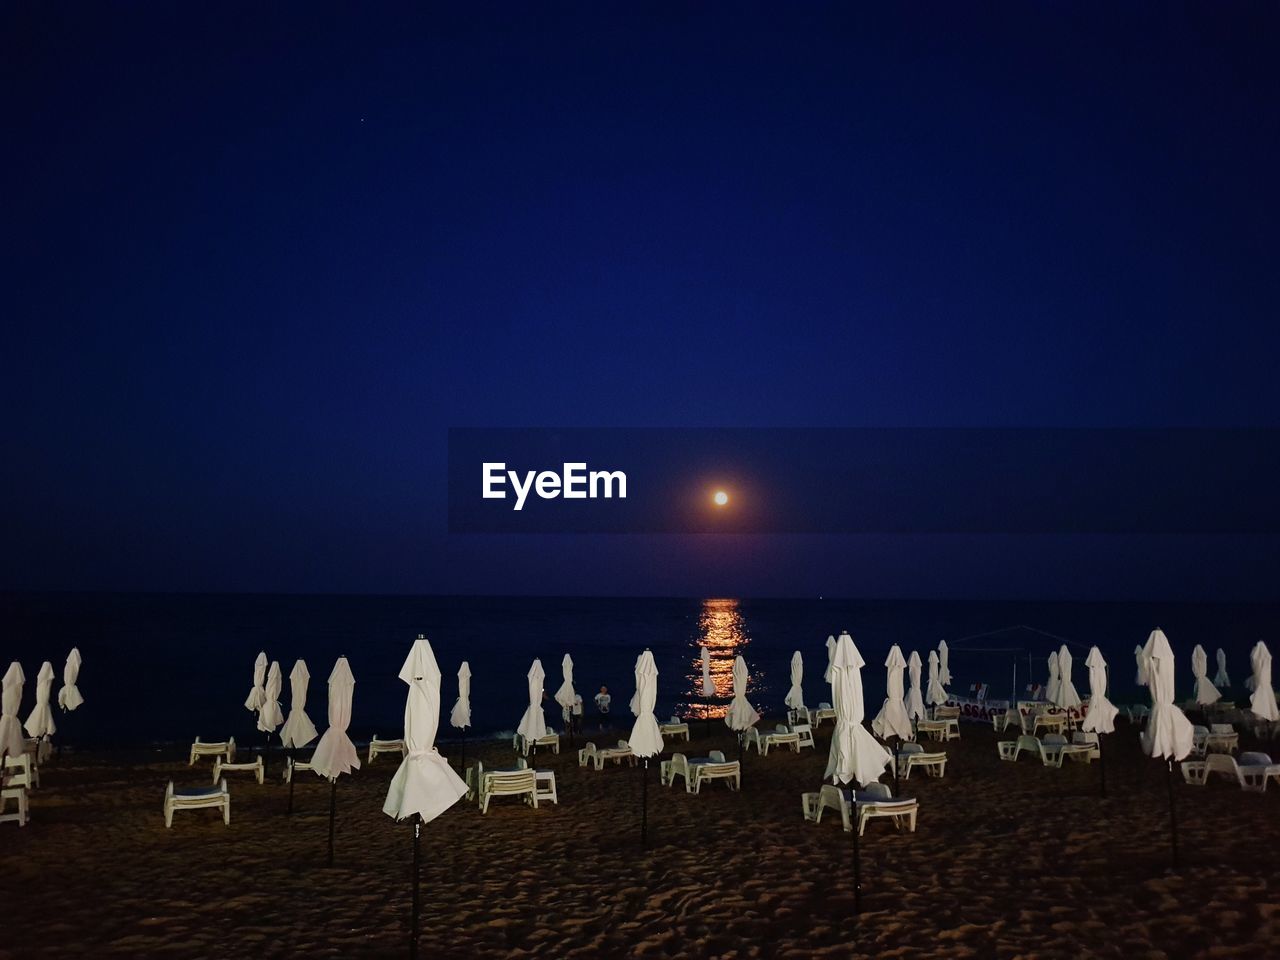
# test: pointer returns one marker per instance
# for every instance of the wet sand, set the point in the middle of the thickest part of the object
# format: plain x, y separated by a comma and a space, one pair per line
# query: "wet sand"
1008, 861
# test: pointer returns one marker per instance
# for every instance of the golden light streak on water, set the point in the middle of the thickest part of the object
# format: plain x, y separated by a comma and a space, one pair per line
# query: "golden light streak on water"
722, 630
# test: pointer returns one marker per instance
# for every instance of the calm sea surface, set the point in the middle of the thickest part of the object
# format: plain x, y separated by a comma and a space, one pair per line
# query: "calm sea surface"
163, 667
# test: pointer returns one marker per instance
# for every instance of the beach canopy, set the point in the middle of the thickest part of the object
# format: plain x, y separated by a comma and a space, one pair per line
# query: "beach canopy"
1206, 692
935, 694
257, 692
915, 702
1140, 656
566, 694
1169, 733
335, 753
1263, 700
1067, 695
1101, 717
646, 737
892, 720
1051, 688
69, 696
1220, 679
855, 754
831, 649
298, 729
795, 696
12, 741
533, 725
944, 663
424, 784
460, 716
270, 715
708, 687
741, 714
40, 722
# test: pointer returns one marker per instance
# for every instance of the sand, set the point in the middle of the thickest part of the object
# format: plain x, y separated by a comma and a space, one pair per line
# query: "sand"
1008, 861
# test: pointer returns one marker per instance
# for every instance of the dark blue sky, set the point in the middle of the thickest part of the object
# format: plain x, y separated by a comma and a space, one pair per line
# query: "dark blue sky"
258, 258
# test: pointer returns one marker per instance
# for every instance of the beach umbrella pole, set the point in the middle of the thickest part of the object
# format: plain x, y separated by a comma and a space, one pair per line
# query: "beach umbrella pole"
644, 803
333, 810
292, 773
857, 855
1173, 817
1102, 766
896, 791
417, 882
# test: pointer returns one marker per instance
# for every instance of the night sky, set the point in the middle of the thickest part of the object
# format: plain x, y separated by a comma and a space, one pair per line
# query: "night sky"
258, 259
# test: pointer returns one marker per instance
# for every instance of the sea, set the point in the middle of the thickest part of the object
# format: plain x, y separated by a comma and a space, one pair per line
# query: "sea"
165, 668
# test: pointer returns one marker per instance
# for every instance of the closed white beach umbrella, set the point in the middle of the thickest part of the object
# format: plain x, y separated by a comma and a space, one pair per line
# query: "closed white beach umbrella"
915, 702
708, 687
1220, 679
831, 651
1168, 732
460, 716
944, 663
1067, 695
533, 725
257, 692
1051, 689
934, 694
1206, 692
335, 753
69, 696
892, 720
855, 754
1263, 700
795, 696
40, 721
424, 784
741, 714
646, 737
12, 742
1102, 712
1140, 656
271, 716
298, 729
566, 694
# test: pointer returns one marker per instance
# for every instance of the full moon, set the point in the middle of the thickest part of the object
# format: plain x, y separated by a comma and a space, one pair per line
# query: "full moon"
721, 498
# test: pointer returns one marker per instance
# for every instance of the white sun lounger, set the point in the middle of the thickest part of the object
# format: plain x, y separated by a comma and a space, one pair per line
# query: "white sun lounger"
799, 715
215, 796
591, 754
550, 739
19, 796
824, 712
224, 748
912, 755
377, 746
1251, 772
291, 765
677, 766
1054, 748
875, 801
675, 727
947, 728
15, 783
221, 766
508, 783
1222, 738
804, 733
714, 767
24, 768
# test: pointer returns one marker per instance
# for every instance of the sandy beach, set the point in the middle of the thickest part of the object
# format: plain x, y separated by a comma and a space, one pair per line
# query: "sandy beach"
1008, 861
